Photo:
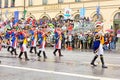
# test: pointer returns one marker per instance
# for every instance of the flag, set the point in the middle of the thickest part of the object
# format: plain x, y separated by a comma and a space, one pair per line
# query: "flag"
16, 17
82, 12
67, 13
6, 14
98, 10
24, 13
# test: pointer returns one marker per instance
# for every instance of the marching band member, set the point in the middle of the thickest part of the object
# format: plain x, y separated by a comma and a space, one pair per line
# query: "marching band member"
0, 43
8, 39
42, 42
33, 42
14, 43
58, 41
98, 45
23, 45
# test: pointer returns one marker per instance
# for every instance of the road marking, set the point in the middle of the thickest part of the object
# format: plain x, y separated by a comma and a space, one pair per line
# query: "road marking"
58, 73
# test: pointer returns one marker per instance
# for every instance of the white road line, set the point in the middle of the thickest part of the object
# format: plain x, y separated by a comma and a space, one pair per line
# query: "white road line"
58, 73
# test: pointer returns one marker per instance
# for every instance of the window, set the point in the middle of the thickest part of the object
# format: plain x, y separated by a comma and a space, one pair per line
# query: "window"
44, 2
45, 18
30, 2
77, 0
6, 3
117, 16
60, 17
77, 17
12, 3
60, 1
0, 3
97, 18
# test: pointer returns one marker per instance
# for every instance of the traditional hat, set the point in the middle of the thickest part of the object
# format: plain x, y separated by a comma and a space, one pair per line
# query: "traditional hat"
99, 23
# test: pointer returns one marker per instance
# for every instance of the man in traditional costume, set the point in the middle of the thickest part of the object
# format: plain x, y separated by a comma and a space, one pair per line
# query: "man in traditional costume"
14, 43
8, 39
23, 45
98, 44
0, 43
58, 41
33, 42
42, 35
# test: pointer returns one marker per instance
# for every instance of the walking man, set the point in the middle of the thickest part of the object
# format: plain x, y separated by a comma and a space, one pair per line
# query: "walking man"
98, 45
58, 41
23, 45
42, 42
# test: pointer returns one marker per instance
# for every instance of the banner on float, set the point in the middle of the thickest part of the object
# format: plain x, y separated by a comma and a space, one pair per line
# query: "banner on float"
16, 16
67, 13
82, 12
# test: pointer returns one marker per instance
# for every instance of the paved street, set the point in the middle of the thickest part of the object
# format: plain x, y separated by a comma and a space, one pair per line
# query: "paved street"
74, 65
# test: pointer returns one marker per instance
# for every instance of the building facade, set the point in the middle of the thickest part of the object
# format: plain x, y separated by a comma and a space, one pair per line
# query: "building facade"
109, 10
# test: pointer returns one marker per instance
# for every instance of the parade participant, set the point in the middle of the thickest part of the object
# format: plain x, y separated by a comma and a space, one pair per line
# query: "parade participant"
8, 39
0, 42
58, 41
42, 42
23, 44
98, 44
33, 41
14, 42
